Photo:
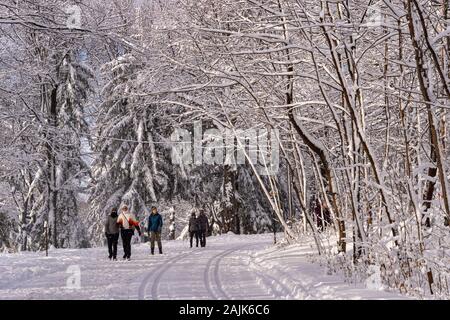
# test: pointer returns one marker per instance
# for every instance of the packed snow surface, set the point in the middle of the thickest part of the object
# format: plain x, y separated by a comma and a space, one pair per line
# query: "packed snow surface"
230, 267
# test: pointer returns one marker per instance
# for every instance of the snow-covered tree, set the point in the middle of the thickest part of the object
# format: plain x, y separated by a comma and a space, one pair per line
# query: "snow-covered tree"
126, 169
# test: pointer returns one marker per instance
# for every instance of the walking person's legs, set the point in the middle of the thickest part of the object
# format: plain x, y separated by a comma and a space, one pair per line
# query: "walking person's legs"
191, 235
204, 238
129, 237
115, 240
196, 238
158, 238
124, 243
152, 241
110, 244
126, 239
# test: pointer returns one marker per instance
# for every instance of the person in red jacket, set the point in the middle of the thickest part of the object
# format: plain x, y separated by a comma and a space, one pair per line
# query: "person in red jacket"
128, 223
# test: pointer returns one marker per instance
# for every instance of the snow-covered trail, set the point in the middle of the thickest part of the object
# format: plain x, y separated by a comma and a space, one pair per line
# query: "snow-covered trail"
230, 267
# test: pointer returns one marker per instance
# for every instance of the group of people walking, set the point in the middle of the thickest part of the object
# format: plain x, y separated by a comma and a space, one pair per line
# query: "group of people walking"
126, 225
198, 228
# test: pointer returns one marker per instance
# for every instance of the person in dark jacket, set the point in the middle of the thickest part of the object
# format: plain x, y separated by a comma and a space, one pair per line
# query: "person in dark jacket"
203, 225
112, 234
193, 229
155, 223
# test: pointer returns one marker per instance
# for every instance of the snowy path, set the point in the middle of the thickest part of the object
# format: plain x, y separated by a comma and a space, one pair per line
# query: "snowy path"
230, 267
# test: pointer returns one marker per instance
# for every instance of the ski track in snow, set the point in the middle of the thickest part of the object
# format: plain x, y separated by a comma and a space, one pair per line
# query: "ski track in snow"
159, 271
230, 267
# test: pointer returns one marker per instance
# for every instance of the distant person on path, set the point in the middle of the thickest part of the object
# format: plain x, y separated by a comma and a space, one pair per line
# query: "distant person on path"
203, 227
193, 228
112, 234
155, 223
128, 223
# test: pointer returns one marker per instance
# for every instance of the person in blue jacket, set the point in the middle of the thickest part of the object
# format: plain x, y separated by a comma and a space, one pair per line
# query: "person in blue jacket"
155, 223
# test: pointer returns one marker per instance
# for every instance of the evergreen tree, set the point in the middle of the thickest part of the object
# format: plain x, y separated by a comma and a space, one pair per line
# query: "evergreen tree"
125, 170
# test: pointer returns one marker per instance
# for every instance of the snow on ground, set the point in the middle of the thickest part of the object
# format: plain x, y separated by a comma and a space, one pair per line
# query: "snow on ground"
230, 267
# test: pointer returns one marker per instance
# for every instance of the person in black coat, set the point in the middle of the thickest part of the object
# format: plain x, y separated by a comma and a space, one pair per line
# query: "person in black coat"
112, 233
193, 229
203, 225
